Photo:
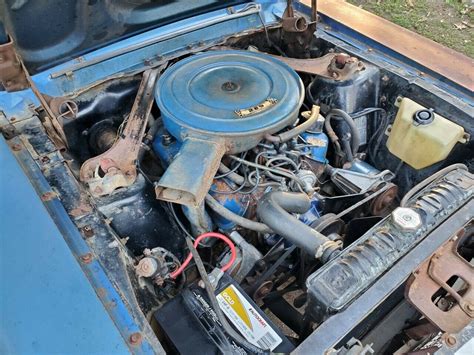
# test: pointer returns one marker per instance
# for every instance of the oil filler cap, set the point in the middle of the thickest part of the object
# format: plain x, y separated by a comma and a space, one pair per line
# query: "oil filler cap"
423, 117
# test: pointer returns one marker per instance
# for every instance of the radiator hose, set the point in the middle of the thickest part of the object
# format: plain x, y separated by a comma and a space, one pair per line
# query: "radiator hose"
275, 210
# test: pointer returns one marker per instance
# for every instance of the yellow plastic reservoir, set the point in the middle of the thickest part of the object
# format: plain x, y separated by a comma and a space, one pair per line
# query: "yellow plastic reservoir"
421, 137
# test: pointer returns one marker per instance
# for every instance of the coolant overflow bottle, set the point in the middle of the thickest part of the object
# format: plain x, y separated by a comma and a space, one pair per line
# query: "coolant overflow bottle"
421, 137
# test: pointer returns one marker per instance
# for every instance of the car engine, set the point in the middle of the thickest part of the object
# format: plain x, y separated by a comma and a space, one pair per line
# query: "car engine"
247, 194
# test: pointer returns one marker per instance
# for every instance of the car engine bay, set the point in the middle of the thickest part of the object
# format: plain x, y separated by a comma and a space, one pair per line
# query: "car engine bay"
245, 194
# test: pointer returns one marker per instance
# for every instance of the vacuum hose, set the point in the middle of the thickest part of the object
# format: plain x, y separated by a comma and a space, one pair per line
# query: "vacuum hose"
350, 122
286, 136
275, 210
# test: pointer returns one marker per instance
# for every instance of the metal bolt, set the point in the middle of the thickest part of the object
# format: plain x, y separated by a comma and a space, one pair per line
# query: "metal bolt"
135, 338
45, 160
12, 119
88, 231
451, 340
166, 139
86, 258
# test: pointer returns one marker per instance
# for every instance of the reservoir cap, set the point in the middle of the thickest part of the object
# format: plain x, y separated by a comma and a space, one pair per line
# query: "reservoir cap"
423, 117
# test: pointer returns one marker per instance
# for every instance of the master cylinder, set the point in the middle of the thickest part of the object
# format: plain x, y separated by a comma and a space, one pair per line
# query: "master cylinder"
421, 137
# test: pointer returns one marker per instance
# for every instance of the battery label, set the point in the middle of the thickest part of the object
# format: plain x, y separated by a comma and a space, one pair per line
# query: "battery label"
247, 320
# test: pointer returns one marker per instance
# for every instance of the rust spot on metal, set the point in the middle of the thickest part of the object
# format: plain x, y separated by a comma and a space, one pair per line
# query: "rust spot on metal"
110, 305
17, 147
98, 190
263, 290
11, 73
12, 119
135, 338
422, 330
48, 196
87, 258
80, 210
87, 231
45, 160
433, 275
101, 292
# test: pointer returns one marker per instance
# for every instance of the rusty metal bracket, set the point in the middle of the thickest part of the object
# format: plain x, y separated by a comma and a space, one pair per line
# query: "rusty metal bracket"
336, 66
50, 121
433, 274
117, 167
292, 23
12, 76
343, 66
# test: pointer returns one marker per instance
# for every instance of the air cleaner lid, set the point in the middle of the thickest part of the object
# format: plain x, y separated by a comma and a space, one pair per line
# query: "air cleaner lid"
228, 92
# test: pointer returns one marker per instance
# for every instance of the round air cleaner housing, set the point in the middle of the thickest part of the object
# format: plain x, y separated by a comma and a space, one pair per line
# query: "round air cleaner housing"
218, 103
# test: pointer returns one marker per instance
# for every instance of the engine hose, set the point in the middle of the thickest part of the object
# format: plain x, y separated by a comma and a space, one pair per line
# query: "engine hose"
231, 216
231, 175
421, 185
355, 142
275, 210
347, 149
296, 131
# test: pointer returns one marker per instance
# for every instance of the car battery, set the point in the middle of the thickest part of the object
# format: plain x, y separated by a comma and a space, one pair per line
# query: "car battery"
188, 323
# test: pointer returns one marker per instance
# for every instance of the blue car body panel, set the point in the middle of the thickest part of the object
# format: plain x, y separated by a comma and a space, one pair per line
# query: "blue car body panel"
50, 300
47, 305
